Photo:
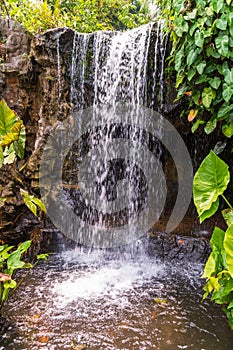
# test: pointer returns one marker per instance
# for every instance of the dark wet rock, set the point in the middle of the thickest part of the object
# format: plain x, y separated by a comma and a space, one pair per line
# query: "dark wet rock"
173, 247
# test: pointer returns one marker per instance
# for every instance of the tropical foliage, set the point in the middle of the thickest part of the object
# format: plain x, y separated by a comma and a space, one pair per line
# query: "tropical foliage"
210, 182
12, 144
82, 15
11, 260
201, 33
12, 135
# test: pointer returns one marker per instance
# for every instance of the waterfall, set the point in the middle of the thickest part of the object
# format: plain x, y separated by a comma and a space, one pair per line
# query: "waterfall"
120, 62
112, 176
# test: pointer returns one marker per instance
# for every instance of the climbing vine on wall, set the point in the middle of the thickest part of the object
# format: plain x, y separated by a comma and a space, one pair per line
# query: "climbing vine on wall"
201, 33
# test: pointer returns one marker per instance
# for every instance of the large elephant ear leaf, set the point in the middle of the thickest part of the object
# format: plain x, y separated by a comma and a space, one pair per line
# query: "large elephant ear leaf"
210, 181
12, 135
7, 118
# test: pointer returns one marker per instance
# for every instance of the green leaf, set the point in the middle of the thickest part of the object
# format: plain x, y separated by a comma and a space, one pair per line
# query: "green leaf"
230, 22
10, 284
191, 74
181, 26
210, 266
196, 125
227, 130
179, 79
217, 5
228, 216
201, 66
228, 246
227, 92
217, 239
23, 247
192, 56
221, 295
209, 11
224, 110
39, 203
215, 82
7, 118
228, 76
31, 206
196, 97
209, 212
32, 202
210, 126
42, 257
221, 24
201, 79
210, 181
199, 38
221, 43
14, 262
207, 97
179, 56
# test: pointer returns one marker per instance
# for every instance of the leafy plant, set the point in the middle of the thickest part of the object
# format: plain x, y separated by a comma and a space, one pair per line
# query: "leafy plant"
11, 260
32, 202
12, 135
83, 15
210, 182
201, 32
12, 144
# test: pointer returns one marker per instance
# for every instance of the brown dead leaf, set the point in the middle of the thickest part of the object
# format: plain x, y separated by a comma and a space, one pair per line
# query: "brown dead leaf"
4, 277
192, 114
43, 339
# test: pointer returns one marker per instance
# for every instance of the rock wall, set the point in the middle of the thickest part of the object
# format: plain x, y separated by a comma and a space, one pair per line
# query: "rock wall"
32, 72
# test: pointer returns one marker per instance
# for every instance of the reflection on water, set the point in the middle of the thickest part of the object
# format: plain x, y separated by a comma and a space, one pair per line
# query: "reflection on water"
110, 303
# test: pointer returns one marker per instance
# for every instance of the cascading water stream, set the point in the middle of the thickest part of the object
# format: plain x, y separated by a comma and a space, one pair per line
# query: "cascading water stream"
116, 298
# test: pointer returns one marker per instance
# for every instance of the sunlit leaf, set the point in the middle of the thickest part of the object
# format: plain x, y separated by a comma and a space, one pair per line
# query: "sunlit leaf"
210, 181
228, 246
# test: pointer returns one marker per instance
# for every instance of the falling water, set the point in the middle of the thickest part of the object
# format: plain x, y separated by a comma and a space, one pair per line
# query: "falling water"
119, 62
108, 68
